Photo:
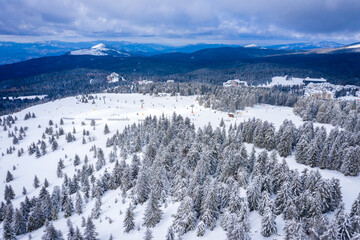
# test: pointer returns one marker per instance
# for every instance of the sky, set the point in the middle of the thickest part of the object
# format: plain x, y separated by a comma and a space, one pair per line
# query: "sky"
181, 21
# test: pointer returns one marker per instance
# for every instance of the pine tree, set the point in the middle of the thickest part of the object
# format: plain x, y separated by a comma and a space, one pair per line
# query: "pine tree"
78, 235
36, 182
54, 145
209, 209
68, 207
201, 229
9, 177
78, 204
50, 233
185, 217
142, 186
95, 213
153, 212
129, 220
106, 129
268, 224
90, 231
37, 152
170, 234
43, 147
19, 222
8, 231
76, 160
148, 234
9, 194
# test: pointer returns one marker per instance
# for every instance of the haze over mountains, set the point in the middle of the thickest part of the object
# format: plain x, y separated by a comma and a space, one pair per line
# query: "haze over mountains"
11, 52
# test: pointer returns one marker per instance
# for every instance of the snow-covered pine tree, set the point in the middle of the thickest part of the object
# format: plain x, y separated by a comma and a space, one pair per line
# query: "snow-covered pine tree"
268, 224
8, 230
9, 177
96, 211
50, 233
185, 217
148, 234
153, 212
129, 219
90, 231
78, 203
106, 129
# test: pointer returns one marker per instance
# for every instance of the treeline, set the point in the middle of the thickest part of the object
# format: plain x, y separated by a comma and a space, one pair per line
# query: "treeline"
233, 98
338, 150
344, 114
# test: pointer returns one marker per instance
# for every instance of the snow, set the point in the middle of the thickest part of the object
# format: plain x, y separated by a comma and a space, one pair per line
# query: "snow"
250, 46
27, 97
99, 46
118, 111
350, 98
353, 46
280, 80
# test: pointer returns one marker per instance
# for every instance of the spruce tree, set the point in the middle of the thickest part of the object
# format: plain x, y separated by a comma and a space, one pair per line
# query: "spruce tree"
170, 234
90, 231
106, 129
36, 182
78, 204
95, 213
8, 231
129, 220
9, 177
185, 217
148, 234
268, 224
153, 212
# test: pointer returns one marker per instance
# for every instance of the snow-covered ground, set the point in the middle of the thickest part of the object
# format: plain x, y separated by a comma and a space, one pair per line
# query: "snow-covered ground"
118, 111
279, 80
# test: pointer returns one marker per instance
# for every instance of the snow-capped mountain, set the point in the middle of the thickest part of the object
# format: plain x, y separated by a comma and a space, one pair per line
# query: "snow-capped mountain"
306, 46
251, 46
351, 46
100, 50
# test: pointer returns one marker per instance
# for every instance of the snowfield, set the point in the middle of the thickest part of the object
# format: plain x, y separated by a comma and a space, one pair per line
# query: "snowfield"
284, 82
118, 111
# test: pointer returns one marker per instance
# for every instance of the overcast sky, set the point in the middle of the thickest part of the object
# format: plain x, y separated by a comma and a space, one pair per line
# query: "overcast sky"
181, 21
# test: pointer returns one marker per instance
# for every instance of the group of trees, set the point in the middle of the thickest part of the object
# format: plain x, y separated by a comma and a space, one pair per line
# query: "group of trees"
204, 170
344, 114
339, 150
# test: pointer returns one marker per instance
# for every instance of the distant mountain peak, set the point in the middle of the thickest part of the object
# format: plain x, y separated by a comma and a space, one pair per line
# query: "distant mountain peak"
100, 50
354, 45
99, 46
251, 46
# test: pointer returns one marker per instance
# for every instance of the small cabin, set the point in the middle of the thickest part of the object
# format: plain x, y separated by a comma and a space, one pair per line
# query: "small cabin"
231, 115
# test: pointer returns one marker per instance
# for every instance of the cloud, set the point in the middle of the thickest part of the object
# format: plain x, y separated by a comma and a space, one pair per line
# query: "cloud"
213, 19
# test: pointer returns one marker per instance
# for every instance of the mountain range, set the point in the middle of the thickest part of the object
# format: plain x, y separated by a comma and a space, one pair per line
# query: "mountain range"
12, 52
